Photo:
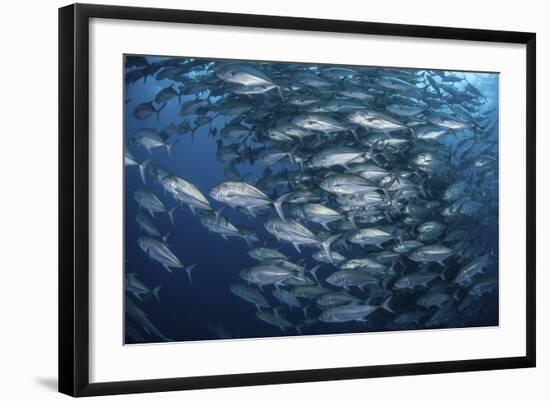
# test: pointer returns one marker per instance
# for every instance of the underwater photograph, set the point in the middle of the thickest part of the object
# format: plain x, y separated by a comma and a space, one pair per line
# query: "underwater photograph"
270, 199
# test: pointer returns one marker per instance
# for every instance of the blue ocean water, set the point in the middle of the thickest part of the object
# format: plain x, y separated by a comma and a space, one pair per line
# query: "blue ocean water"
207, 309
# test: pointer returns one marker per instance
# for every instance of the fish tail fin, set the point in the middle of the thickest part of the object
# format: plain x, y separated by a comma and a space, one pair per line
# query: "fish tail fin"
171, 214
278, 204
313, 272
395, 174
386, 305
188, 270
142, 167
155, 293
326, 246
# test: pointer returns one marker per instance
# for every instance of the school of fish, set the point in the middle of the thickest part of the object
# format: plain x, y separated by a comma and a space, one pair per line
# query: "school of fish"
383, 181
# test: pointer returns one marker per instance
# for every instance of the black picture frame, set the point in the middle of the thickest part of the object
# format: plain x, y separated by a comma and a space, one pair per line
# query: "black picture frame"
74, 198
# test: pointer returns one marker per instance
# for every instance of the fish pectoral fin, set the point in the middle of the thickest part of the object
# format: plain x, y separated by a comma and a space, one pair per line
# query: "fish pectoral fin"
218, 214
278, 204
171, 215
155, 293
297, 247
280, 92
325, 246
188, 270
346, 167
167, 268
142, 167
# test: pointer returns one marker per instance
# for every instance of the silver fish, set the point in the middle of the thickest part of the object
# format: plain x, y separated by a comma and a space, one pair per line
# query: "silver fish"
159, 251
347, 184
149, 201
369, 236
185, 192
244, 195
133, 285
352, 312
265, 253
295, 233
431, 253
249, 294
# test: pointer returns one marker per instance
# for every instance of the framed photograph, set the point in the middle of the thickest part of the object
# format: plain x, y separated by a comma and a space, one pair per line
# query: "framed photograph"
290, 200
